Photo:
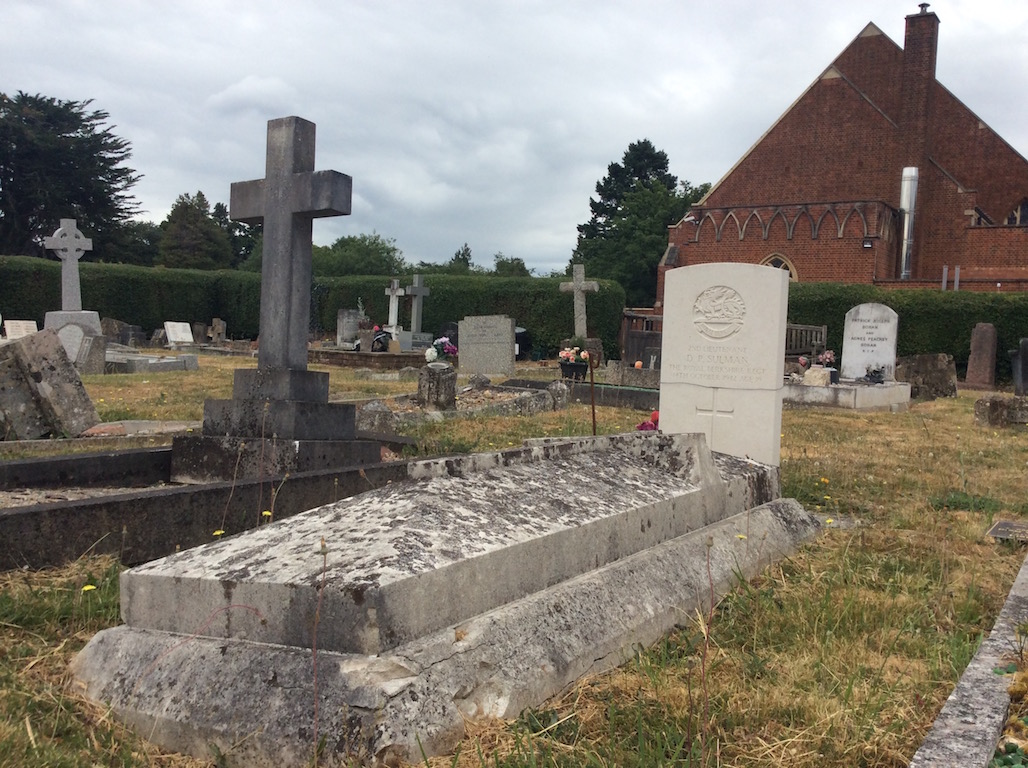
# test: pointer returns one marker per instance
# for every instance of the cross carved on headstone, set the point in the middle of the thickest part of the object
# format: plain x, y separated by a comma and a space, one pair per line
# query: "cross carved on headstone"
69, 244
394, 292
287, 200
579, 286
418, 291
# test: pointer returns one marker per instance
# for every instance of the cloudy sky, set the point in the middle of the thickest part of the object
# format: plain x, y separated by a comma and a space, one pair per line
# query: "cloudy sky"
479, 121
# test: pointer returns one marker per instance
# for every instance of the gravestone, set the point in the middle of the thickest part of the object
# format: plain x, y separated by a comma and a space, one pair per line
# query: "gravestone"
41, 394
200, 332
279, 419
1019, 365
473, 588
929, 376
219, 331
418, 291
721, 369
869, 341
347, 326
437, 386
19, 329
178, 333
394, 292
579, 286
486, 345
71, 322
981, 365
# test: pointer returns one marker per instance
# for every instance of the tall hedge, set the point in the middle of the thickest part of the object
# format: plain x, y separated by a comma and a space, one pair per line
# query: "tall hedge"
929, 321
29, 287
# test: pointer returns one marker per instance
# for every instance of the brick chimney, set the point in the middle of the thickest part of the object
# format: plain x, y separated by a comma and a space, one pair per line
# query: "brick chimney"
920, 48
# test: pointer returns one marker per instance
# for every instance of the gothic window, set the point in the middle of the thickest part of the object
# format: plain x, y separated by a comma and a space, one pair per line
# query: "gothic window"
778, 261
1019, 216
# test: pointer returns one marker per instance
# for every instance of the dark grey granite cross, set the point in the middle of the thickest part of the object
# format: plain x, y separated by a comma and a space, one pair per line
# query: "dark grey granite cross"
418, 291
287, 199
69, 244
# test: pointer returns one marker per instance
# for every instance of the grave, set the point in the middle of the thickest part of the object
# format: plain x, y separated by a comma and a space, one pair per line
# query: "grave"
418, 291
437, 386
419, 603
579, 286
279, 419
486, 345
721, 364
981, 365
71, 322
347, 327
19, 329
178, 333
41, 394
218, 332
1019, 366
869, 342
394, 292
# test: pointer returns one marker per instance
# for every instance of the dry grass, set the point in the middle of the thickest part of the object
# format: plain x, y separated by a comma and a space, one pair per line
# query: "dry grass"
839, 656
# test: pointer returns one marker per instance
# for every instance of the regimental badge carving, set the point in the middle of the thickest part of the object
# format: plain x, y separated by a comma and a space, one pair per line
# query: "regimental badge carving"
719, 312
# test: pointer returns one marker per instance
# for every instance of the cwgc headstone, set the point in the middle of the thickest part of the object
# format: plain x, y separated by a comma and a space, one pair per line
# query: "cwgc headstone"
486, 345
279, 419
41, 394
981, 365
869, 341
178, 333
579, 286
721, 364
71, 322
19, 329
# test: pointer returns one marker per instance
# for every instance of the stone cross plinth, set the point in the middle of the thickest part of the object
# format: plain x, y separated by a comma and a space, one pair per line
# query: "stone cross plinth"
437, 387
580, 286
279, 419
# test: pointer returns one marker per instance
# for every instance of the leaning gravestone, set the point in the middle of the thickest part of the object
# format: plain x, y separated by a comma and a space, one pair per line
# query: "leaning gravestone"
19, 329
279, 419
981, 365
869, 342
722, 368
178, 333
71, 322
41, 394
486, 345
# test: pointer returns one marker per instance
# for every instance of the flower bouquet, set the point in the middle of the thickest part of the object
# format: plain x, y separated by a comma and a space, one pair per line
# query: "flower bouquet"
441, 349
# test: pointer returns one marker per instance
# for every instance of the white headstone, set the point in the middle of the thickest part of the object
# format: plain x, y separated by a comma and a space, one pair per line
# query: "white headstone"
178, 333
869, 341
486, 345
17, 329
394, 292
723, 356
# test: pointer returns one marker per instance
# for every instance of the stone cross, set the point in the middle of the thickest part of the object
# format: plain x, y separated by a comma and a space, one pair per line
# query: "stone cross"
394, 292
287, 200
579, 286
417, 292
69, 245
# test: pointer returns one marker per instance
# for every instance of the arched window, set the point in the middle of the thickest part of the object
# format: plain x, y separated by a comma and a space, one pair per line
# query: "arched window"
778, 261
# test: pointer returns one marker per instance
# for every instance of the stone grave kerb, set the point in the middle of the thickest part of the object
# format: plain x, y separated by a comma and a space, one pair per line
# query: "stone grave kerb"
417, 291
287, 200
69, 244
579, 286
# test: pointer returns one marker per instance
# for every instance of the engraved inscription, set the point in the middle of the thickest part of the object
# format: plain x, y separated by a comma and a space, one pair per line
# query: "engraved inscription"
719, 312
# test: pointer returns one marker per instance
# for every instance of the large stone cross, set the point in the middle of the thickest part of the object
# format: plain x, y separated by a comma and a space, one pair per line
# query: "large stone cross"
287, 200
69, 244
579, 285
394, 292
418, 291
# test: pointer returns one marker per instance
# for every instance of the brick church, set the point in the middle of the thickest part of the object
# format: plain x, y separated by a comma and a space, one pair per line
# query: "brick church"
876, 174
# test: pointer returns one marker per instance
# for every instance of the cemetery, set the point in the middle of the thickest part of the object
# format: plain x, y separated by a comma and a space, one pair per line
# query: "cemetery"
368, 549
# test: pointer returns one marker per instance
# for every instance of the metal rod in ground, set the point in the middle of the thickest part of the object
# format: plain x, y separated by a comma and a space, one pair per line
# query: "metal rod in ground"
592, 391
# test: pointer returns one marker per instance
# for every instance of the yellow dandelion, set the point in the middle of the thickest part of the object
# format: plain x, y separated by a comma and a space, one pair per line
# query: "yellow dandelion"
88, 587
829, 521
824, 480
828, 498
266, 513
219, 532
740, 536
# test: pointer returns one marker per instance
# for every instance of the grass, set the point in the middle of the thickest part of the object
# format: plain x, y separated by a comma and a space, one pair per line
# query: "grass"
841, 655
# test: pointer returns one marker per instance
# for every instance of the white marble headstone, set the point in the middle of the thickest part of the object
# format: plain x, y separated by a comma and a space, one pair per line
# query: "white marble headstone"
723, 356
17, 329
869, 341
178, 333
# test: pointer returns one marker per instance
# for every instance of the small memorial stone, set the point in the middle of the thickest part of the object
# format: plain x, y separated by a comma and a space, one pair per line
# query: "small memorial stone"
437, 387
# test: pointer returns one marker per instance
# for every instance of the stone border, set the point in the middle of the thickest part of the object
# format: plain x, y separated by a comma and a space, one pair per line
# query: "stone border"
967, 730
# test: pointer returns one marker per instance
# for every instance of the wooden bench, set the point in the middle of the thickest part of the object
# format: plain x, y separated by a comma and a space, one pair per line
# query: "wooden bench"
808, 340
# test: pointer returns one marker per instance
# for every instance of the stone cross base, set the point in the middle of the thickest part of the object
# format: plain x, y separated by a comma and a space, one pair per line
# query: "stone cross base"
200, 459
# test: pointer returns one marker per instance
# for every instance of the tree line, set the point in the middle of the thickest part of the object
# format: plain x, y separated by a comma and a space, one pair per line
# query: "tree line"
59, 159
